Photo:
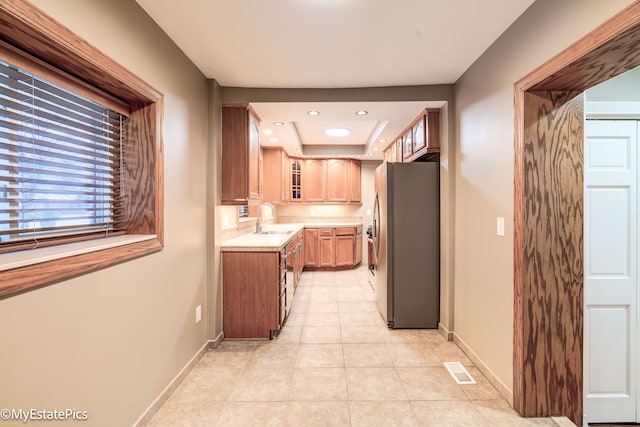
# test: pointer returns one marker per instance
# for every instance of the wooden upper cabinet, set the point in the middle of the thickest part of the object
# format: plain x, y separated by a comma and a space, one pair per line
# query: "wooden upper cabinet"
275, 175
338, 178
432, 125
313, 176
285, 174
295, 180
290, 179
241, 177
420, 137
255, 158
407, 144
355, 181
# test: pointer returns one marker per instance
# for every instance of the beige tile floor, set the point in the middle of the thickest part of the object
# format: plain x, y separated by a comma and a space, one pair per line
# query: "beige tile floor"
335, 363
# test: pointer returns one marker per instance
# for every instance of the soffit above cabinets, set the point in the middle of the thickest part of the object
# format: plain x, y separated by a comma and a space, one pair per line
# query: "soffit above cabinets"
303, 134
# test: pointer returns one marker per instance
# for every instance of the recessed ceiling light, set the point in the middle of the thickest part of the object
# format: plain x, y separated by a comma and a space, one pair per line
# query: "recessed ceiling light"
313, 113
382, 140
361, 113
274, 140
278, 123
267, 131
375, 148
337, 132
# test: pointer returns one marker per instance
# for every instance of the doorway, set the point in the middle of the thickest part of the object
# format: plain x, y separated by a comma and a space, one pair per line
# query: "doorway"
549, 216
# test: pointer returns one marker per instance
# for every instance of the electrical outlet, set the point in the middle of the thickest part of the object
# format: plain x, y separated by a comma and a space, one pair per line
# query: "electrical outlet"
500, 227
198, 314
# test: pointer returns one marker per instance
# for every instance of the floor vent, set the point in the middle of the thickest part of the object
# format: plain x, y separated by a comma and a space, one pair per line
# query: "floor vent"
459, 373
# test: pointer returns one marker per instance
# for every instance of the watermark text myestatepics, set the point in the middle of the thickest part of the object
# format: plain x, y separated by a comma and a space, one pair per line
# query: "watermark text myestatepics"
26, 415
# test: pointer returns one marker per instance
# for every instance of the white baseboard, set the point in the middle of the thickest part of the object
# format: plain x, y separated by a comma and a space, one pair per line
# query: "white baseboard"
148, 414
447, 334
505, 392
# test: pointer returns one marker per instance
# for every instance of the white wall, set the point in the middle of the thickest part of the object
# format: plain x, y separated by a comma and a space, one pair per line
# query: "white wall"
109, 342
622, 88
484, 170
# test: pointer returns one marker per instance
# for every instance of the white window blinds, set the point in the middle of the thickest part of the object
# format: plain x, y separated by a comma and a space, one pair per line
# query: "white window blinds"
60, 163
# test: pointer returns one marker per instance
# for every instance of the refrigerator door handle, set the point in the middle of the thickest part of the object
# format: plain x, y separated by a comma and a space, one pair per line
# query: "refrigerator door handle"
376, 224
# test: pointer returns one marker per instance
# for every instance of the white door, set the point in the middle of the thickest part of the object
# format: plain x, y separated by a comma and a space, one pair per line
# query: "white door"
610, 237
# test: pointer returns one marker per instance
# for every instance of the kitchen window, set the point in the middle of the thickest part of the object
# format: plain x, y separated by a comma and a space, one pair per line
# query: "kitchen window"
80, 155
60, 164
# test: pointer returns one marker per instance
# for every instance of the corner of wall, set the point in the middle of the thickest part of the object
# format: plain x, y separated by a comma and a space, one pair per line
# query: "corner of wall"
214, 217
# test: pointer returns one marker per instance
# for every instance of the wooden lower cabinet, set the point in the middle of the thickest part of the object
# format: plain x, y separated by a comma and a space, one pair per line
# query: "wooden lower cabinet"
345, 246
333, 248
299, 266
358, 259
252, 292
310, 247
345, 250
326, 248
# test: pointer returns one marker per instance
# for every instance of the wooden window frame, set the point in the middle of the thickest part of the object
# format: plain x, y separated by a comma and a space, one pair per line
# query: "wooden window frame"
32, 31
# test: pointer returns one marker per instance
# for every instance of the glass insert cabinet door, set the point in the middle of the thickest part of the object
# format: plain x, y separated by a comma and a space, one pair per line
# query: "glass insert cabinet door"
408, 143
419, 137
296, 180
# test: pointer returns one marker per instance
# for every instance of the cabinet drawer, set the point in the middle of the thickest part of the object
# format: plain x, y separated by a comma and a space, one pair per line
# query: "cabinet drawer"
325, 231
346, 231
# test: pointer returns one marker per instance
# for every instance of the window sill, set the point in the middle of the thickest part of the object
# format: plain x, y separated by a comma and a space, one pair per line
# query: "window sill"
23, 270
25, 258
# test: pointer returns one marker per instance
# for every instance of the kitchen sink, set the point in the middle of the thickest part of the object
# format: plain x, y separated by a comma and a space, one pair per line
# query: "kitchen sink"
274, 232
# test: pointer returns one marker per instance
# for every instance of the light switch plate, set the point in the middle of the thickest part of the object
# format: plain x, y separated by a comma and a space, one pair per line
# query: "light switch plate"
198, 314
500, 226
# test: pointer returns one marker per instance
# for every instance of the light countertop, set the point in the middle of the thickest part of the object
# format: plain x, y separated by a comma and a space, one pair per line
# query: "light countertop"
252, 242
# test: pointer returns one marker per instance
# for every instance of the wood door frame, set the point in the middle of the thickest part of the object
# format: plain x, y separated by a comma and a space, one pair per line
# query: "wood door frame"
548, 215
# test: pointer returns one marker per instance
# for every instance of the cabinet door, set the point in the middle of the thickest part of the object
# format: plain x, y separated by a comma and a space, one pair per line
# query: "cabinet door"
300, 258
407, 149
310, 247
313, 179
255, 186
284, 173
273, 176
358, 248
337, 180
235, 154
398, 151
295, 177
355, 180
251, 287
241, 156
433, 131
419, 136
326, 248
345, 250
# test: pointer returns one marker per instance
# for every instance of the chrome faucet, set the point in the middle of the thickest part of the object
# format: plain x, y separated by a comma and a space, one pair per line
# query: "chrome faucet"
259, 216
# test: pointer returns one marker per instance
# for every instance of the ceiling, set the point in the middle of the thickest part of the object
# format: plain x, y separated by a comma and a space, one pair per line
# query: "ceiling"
334, 44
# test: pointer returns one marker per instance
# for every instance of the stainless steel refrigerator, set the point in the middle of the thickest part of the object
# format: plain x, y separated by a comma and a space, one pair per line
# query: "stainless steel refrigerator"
406, 234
